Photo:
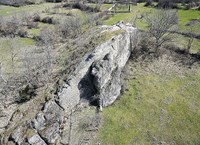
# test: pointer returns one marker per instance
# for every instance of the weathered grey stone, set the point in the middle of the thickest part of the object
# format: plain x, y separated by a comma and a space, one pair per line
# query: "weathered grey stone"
36, 140
5, 115
52, 112
47, 123
39, 121
99, 72
18, 135
97, 77
51, 133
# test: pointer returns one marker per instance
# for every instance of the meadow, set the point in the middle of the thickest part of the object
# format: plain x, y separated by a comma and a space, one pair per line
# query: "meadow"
19, 45
161, 103
160, 106
138, 12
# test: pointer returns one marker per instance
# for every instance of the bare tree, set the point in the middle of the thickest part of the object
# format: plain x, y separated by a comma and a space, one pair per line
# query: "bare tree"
160, 22
70, 27
48, 38
34, 68
13, 47
190, 38
189, 42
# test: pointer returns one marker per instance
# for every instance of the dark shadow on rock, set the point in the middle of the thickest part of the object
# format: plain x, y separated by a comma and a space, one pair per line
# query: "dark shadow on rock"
87, 88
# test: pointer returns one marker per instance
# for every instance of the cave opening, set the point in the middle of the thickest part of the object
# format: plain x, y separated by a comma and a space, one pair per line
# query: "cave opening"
87, 89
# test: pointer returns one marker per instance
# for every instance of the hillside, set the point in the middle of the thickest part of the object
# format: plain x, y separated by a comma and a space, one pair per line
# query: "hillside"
120, 73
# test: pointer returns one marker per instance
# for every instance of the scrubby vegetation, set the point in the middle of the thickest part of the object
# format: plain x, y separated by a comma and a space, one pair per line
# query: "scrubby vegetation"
40, 42
160, 105
31, 42
160, 101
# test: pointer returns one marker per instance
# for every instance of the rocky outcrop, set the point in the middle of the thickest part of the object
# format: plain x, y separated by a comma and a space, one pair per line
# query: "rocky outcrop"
98, 75
66, 118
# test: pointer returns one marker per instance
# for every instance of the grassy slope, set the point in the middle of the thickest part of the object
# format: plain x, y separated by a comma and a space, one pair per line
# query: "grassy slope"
9, 10
185, 16
161, 106
129, 17
26, 43
157, 108
20, 46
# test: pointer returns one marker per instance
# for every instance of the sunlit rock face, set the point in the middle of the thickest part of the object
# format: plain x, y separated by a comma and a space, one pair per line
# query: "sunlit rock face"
98, 75
59, 120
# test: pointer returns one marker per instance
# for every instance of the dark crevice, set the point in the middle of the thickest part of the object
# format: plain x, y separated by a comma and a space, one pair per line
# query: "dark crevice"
13, 140
57, 102
44, 139
87, 88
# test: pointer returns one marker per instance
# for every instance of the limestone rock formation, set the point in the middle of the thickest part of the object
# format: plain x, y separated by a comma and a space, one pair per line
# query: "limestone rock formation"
67, 118
98, 75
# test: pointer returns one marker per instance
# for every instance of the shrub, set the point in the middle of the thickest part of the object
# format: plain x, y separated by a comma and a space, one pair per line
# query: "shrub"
36, 17
18, 3
69, 27
26, 94
48, 20
167, 4
148, 3
48, 36
12, 27
82, 7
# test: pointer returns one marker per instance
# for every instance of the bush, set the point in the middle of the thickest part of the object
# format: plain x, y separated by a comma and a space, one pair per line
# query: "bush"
36, 17
148, 3
82, 7
12, 27
28, 20
26, 94
48, 20
69, 27
166, 4
18, 3
48, 36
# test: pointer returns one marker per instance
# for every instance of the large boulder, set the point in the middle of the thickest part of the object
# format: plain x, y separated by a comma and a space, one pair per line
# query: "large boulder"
98, 75
67, 118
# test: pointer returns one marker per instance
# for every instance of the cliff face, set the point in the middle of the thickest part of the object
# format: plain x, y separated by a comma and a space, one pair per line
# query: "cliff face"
67, 118
98, 75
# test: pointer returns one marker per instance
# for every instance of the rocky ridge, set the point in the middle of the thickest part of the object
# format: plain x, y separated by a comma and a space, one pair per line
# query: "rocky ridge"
68, 118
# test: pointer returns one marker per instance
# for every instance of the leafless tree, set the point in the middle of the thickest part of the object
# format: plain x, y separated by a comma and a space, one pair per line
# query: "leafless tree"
48, 38
70, 27
12, 26
13, 47
190, 38
34, 68
160, 22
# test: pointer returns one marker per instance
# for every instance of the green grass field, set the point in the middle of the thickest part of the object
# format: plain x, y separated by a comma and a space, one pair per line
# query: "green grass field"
185, 16
161, 106
136, 11
9, 10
